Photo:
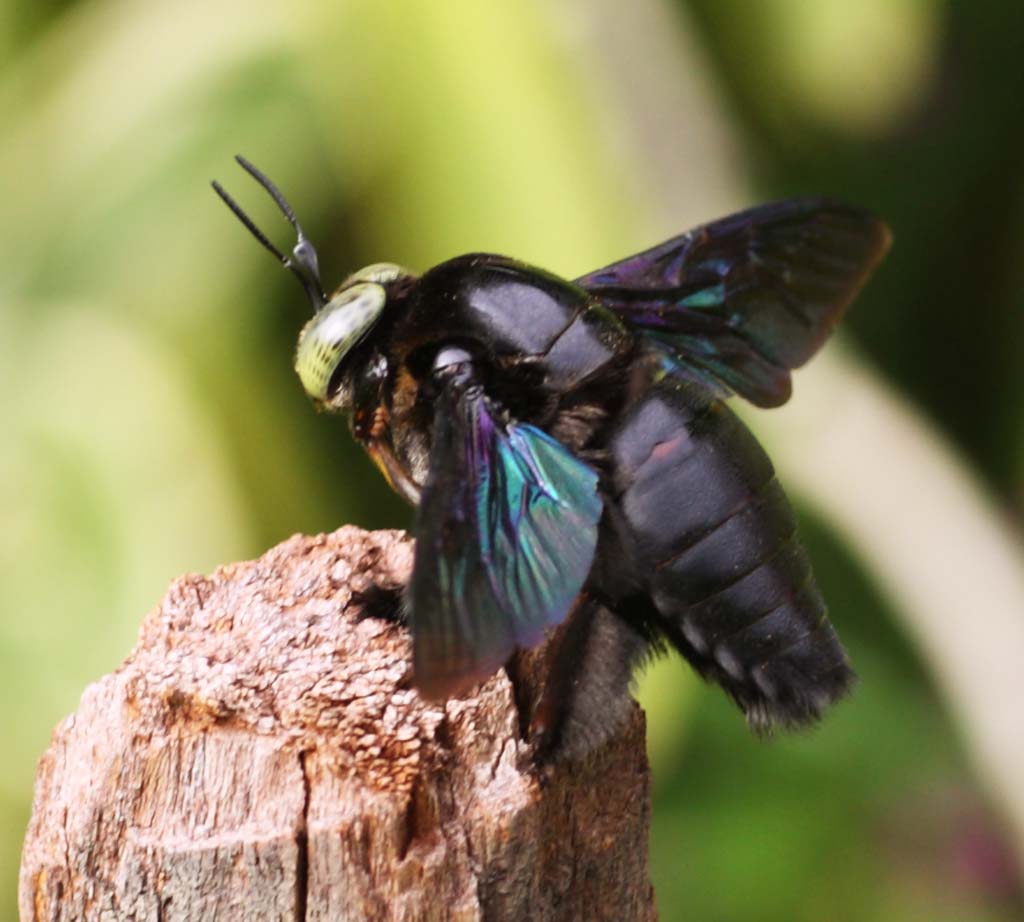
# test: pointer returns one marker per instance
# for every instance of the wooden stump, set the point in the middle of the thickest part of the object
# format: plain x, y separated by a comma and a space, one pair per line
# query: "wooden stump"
260, 755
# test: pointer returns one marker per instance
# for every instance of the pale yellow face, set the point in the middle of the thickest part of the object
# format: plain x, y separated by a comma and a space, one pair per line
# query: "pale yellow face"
340, 324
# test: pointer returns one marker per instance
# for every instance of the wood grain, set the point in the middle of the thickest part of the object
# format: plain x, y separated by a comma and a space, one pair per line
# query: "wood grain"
260, 755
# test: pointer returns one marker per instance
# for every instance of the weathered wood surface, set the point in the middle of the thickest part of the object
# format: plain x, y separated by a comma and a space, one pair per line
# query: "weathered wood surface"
260, 756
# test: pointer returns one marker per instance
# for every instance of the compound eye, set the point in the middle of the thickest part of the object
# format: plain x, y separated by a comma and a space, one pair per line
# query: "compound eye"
333, 332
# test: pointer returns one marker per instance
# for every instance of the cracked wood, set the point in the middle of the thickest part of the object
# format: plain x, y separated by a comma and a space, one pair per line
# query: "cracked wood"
261, 756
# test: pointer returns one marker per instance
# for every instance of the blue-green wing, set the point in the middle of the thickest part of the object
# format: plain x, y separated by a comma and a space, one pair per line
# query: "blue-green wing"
741, 301
506, 532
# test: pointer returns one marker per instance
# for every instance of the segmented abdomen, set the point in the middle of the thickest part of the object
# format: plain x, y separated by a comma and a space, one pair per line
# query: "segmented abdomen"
716, 542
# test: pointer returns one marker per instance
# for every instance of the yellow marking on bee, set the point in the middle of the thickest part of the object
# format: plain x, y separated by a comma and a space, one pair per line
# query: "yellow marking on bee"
379, 453
394, 473
332, 332
380, 424
381, 273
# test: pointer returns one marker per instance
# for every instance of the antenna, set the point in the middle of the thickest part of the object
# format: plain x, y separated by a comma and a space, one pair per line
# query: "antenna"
303, 260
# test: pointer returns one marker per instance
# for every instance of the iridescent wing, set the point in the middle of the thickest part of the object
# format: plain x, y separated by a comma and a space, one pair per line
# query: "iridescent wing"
506, 532
741, 301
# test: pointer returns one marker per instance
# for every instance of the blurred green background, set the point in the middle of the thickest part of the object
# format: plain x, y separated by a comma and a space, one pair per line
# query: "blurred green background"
152, 423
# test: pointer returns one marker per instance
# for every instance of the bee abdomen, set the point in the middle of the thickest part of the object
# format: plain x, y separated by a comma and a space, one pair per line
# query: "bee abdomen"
728, 580
757, 625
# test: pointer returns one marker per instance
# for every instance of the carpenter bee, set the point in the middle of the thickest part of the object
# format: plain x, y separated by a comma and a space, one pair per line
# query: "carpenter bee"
574, 464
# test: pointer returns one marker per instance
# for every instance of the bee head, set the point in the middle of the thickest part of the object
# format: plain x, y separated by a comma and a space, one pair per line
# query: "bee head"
338, 327
339, 323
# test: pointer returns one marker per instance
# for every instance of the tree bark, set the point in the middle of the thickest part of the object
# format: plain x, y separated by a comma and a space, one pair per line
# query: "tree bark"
261, 755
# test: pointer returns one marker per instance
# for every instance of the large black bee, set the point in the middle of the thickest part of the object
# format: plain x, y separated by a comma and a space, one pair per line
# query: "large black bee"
574, 464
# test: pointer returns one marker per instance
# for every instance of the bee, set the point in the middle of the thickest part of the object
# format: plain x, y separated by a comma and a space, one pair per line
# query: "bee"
575, 468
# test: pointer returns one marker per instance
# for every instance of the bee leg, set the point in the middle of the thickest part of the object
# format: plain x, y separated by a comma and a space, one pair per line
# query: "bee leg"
561, 669
586, 697
384, 602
